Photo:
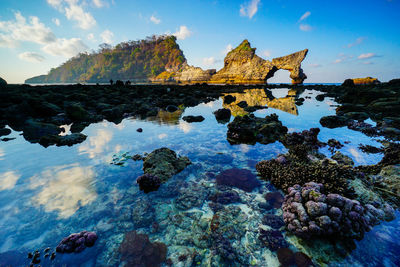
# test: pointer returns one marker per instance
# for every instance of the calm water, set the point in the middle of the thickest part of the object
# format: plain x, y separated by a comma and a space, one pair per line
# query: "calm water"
49, 193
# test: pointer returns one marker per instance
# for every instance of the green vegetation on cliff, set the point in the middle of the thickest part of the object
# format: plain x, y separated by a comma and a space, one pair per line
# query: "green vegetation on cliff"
133, 60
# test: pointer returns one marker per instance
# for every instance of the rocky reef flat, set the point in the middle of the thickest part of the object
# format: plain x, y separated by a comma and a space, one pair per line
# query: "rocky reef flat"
200, 175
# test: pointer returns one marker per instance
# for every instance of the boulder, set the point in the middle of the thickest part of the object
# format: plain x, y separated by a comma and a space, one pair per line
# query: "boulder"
223, 115
3, 82
164, 163
193, 118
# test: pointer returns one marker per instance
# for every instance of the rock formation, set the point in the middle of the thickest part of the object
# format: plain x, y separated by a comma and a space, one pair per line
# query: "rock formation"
242, 65
194, 74
360, 81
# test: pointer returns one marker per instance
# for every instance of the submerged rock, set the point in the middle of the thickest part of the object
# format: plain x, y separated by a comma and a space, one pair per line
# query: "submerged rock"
137, 250
239, 178
334, 121
250, 129
77, 242
164, 163
148, 182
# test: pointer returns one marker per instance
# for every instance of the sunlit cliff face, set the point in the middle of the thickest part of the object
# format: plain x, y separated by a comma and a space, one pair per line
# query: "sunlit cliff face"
64, 189
258, 97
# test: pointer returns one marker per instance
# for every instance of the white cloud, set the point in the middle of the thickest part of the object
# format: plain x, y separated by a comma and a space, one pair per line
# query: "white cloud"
338, 60
266, 53
358, 41
91, 37
209, 61
249, 9
155, 20
8, 180
56, 21
342, 58
107, 36
315, 65
183, 33
98, 3
11, 32
31, 57
367, 55
227, 49
368, 63
305, 15
73, 10
305, 27
65, 47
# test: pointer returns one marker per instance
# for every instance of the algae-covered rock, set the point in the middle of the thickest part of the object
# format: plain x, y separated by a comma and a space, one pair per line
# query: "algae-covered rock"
250, 129
164, 163
35, 130
342, 159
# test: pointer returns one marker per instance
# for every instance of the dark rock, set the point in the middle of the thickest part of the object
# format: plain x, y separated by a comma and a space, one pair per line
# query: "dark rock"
76, 112
223, 115
164, 163
33, 130
139, 130
333, 121
3, 83
78, 127
285, 256
229, 99
171, 108
249, 129
119, 83
148, 182
348, 83
193, 118
242, 104
302, 260
77, 242
137, 250
4, 131
239, 178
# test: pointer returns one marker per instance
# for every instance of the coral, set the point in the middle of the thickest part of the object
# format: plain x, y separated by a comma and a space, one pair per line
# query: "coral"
249, 129
137, 250
273, 221
225, 197
164, 163
272, 239
308, 212
342, 159
190, 196
148, 182
77, 242
309, 138
143, 212
239, 178
333, 176
274, 199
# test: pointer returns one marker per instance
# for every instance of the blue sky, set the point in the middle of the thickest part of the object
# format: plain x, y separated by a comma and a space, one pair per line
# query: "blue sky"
346, 38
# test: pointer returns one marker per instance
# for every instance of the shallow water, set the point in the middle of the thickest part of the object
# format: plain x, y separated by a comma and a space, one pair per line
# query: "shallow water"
49, 193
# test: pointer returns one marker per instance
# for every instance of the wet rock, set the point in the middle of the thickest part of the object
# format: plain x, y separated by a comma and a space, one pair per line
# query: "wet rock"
229, 99
137, 250
77, 242
34, 130
164, 163
239, 178
3, 83
343, 159
76, 112
143, 213
249, 129
171, 108
139, 130
193, 118
148, 182
223, 115
307, 138
242, 104
62, 140
4, 131
333, 121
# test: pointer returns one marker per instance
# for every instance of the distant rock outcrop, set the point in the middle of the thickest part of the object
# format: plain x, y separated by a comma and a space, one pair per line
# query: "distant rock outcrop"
194, 74
360, 81
242, 65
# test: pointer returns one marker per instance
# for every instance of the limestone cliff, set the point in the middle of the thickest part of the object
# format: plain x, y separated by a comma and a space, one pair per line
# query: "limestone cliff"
242, 65
194, 74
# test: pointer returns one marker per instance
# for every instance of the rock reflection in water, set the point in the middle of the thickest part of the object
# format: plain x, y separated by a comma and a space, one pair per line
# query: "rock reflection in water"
259, 97
64, 189
165, 117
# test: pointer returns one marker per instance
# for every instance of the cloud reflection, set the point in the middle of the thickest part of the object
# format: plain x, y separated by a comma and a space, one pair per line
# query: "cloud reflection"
185, 127
64, 189
96, 144
8, 180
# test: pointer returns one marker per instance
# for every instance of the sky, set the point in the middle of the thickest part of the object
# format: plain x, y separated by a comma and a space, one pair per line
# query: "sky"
346, 39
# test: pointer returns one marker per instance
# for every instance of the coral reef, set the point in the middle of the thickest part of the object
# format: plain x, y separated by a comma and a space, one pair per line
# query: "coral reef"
308, 138
137, 250
250, 129
239, 178
164, 163
272, 239
309, 212
77, 242
284, 175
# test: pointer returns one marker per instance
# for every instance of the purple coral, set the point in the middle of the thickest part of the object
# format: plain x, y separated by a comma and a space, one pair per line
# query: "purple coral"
148, 182
77, 242
308, 212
